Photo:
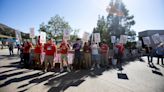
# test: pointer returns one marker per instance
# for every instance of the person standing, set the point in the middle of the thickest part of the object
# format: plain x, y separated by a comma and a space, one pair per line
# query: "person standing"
149, 55
95, 55
38, 51
77, 57
104, 50
120, 54
160, 53
87, 55
11, 47
18, 49
26, 53
64, 48
50, 52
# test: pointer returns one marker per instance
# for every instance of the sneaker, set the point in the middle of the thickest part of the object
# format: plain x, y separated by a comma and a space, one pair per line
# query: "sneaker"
45, 70
92, 68
68, 69
61, 70
98, 66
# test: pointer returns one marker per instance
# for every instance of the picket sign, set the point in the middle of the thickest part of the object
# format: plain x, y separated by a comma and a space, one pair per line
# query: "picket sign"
123, 39
43, 37
32, 33
113, 39
156, 38
86, 37
66, 35
146, 40
97, 38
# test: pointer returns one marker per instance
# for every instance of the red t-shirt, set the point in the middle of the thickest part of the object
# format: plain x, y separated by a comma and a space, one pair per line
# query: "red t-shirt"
49, 49
27, 47
120, 48
38, 49
104, 48
64, 48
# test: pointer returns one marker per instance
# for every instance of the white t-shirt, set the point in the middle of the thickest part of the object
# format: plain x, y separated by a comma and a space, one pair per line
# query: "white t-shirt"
95, 49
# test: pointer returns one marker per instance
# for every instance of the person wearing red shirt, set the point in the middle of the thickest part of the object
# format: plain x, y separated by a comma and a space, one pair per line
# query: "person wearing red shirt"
120, 54
104, 50
38, 51
26, 53
50, 53
64, 48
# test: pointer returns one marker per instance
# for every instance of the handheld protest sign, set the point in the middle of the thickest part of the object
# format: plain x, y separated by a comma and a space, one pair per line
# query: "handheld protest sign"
32, 33
97, 37
123, 39
85, 36
146, 41
113, 39
42, 37
66, 35
162, 38
139, 44
156, 38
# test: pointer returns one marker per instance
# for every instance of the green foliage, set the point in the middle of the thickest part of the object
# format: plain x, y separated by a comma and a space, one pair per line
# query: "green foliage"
116, 25
55, 27
119, 25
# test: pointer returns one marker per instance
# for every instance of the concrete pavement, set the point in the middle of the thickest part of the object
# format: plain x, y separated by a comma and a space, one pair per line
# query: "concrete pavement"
137, 76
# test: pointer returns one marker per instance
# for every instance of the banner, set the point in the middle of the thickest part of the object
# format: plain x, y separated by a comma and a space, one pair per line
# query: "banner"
156, 38
123, 39
146, 40
32, 33
43, 37
66, 35
113, 39
97, 37
18, 36
86, 36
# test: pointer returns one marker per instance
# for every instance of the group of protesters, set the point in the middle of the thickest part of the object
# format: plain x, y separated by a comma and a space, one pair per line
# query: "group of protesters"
91, 55
158, 52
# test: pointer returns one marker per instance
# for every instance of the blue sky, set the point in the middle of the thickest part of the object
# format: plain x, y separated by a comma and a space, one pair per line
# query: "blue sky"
81, 14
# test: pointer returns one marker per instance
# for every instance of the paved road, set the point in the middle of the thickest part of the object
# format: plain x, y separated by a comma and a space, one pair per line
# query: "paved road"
137, 76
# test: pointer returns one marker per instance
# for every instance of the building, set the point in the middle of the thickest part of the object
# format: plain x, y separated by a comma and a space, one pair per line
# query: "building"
149, 33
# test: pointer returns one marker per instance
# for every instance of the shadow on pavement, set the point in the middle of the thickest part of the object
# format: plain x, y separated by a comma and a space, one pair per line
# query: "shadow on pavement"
2, 77
157, 72
8, 71
20, 79
74, 78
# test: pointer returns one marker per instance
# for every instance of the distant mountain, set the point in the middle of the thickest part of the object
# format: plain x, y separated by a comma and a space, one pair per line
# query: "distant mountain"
8, 31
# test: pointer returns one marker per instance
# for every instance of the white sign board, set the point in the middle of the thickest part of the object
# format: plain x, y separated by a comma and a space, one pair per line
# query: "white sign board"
66, 35
97, 37
139, 44
18, 36
123, 39
113, 39
162, 38
156, 38
43, 37
86, 36
32, 33
146, 40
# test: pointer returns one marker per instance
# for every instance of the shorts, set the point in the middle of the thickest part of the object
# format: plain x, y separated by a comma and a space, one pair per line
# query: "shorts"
64, 57
95, 57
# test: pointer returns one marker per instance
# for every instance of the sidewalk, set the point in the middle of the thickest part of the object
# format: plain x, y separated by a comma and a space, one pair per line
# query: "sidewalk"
136, 77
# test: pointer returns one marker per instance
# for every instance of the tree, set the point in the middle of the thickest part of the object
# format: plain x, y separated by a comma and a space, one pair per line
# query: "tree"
55, 27
118, 20
74, 36
102, 28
